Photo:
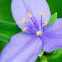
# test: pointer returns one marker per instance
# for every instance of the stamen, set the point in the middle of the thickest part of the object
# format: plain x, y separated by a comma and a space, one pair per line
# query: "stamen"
23, 21
45, 23
29, 14
37, 33
24, 29
42, 13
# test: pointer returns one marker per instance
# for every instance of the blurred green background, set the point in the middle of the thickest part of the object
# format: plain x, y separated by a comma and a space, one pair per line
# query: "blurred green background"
8, 28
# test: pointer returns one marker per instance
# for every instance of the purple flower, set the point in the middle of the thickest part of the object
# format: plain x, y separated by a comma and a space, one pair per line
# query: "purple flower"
32, 16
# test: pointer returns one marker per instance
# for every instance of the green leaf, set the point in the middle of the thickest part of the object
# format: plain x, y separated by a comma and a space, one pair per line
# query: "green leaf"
53, 18
55, 6
4, 37
37, 59
7, 29
40, 55
5, 11
2, 44
43, 59
56, 56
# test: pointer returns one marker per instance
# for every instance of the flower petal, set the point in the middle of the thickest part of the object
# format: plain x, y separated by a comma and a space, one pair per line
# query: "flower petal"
22, 48
21, 8
52, 37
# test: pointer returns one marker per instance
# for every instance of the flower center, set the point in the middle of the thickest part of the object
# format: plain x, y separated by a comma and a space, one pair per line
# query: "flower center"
39, 33
34, 28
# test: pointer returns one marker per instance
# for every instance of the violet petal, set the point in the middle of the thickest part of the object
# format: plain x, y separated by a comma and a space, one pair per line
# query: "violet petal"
22, 48
52, 37
21, 8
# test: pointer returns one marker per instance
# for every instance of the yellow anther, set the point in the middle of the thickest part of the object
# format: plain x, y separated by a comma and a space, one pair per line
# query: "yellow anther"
24, 29
45, 23
37, 33
23, 21
42, 13
29, 14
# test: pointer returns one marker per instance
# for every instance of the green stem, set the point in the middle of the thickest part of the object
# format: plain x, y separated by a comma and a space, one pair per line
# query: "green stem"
40, 55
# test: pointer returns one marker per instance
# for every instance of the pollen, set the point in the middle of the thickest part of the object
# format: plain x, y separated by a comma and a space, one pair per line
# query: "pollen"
23, 21
45, 23
37, 33
42, 13
29, 14
24, 29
